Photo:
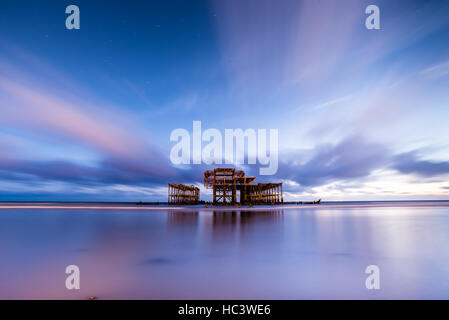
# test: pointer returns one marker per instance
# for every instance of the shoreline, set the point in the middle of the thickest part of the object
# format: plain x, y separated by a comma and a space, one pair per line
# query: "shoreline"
131, 206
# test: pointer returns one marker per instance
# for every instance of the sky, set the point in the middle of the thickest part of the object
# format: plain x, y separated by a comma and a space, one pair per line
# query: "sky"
86, 115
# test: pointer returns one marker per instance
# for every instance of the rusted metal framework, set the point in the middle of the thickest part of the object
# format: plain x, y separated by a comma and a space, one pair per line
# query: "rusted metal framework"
225, 182
183, 194
270, 193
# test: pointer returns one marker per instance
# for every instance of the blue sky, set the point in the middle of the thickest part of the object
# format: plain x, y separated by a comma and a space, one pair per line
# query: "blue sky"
87, 114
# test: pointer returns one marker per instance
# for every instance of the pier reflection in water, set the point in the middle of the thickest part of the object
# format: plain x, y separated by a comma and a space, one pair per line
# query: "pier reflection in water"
224, 228
221, 224
223, 218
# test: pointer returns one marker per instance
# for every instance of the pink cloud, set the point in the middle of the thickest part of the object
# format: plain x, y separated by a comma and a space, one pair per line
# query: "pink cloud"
25, 106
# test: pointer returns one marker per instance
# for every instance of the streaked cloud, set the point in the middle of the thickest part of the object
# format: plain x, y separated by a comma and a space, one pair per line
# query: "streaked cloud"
436, 71
410, 163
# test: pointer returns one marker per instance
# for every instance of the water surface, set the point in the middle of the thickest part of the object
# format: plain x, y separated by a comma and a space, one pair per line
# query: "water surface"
292, 252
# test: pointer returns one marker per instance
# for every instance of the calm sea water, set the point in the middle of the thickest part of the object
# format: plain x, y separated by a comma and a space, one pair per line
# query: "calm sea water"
308, 252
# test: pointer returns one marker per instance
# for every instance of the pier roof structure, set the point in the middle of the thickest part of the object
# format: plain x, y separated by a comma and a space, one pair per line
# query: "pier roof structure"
228, 183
